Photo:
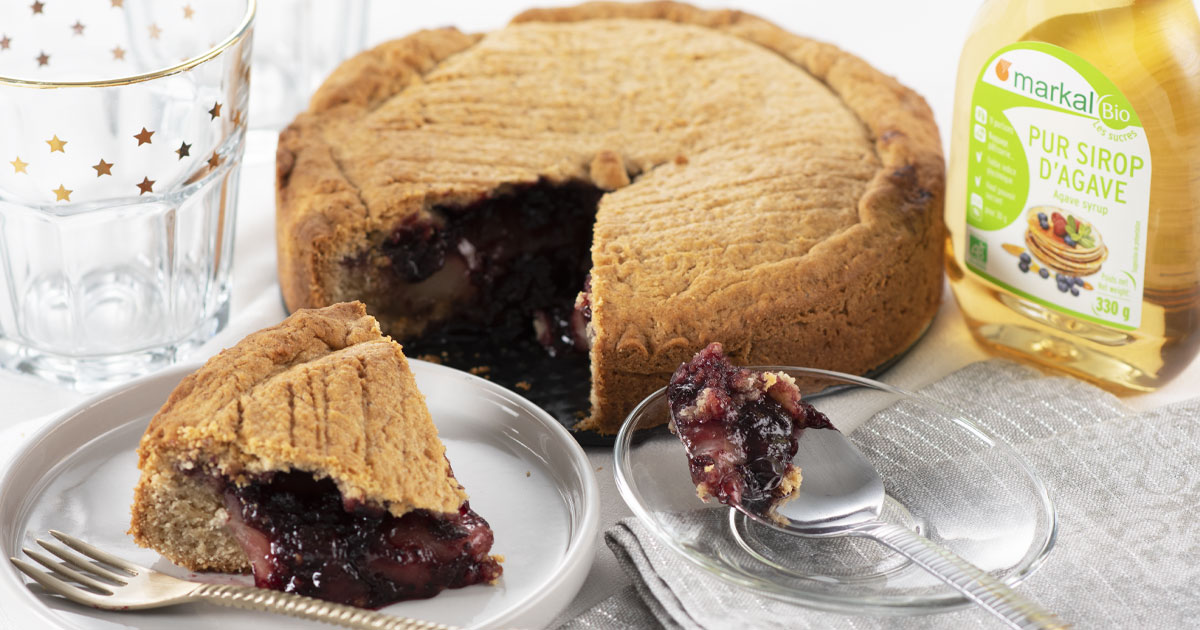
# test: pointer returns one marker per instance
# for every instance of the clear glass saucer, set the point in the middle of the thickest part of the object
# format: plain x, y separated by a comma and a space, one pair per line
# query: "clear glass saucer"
945, 477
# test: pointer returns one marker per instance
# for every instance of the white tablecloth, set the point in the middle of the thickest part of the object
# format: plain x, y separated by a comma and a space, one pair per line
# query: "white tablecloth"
917, 41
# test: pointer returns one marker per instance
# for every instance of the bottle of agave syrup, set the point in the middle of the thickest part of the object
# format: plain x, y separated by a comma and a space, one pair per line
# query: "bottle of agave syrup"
1073, 198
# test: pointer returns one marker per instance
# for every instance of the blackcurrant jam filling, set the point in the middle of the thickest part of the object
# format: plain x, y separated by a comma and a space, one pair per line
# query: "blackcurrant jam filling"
514, 265
740, 428
301, 537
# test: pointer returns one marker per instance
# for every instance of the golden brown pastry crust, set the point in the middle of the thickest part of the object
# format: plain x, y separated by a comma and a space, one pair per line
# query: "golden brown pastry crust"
821, 232
319, 212
323, 392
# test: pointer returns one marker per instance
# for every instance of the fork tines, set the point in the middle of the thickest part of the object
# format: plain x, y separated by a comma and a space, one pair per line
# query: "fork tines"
99, 571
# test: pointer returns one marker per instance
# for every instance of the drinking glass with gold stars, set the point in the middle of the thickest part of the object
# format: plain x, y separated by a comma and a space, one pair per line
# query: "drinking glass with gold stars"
122, 128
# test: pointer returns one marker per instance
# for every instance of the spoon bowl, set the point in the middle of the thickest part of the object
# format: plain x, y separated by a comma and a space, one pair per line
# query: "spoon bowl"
840, 489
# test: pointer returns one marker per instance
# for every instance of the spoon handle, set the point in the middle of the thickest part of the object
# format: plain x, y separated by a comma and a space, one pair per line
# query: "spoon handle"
1015, 609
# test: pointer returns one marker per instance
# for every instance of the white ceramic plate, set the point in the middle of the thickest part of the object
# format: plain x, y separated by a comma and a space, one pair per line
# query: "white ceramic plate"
524, 473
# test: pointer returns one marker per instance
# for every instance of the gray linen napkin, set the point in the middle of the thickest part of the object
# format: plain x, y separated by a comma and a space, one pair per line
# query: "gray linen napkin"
1126, 486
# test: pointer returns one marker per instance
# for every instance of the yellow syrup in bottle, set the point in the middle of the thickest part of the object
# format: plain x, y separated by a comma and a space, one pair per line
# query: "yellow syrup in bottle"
1073, 196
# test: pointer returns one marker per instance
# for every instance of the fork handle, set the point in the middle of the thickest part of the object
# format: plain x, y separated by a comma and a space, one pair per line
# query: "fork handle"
1015, 609
261, 599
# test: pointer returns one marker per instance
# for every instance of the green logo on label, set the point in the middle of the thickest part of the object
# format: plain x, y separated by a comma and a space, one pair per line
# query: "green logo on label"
977, 252
1102, 100
1056, 93
1115, 111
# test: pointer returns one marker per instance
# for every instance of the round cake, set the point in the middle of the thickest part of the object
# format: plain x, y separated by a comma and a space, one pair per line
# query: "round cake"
613, 187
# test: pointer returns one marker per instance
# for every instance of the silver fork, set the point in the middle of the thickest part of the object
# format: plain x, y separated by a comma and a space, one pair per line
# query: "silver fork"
105, 581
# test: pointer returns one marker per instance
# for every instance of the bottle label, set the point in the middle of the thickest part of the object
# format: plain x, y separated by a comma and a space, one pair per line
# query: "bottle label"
1058, 185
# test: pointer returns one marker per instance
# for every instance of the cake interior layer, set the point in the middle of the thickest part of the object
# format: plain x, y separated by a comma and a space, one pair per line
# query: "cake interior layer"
301, 537
740, 428
511, 267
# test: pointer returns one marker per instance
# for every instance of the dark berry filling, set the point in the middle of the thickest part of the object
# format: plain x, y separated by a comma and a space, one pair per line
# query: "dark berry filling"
740, 428
521, 259
581, 317
301, 537
417, 250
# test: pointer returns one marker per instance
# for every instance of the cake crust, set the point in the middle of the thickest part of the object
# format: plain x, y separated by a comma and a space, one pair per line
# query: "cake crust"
324, 392
848, 284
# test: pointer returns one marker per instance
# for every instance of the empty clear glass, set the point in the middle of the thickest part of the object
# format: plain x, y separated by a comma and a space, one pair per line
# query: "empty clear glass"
299, 43
124, 125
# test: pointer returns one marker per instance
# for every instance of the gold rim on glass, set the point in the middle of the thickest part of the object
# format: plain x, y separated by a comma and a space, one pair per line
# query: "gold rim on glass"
215, 51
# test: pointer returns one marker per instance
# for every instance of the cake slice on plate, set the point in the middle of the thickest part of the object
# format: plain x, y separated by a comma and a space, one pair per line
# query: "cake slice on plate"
306, 454
741, 429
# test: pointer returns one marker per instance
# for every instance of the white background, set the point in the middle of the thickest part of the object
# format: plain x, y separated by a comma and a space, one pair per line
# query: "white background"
916, 41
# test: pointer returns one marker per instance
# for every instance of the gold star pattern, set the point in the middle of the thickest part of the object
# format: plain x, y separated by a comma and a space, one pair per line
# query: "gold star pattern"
118, 54
215, 112
147, 186
78, 27
56, 144
144, 137
118, 4
37, 6
43, 59
214, 161
5, 42
154, 31
61, 193
183, 150
103, 168
237, 117
188, 12
19, 166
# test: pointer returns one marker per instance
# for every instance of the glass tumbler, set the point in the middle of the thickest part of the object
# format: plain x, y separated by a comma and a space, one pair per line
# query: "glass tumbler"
122, 127
299, 43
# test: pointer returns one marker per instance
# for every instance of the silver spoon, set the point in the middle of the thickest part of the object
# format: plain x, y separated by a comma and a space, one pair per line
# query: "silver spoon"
842, 495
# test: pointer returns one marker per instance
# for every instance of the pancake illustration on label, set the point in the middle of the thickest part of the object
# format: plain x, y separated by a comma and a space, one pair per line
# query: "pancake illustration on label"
1064, 242
1060, 243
